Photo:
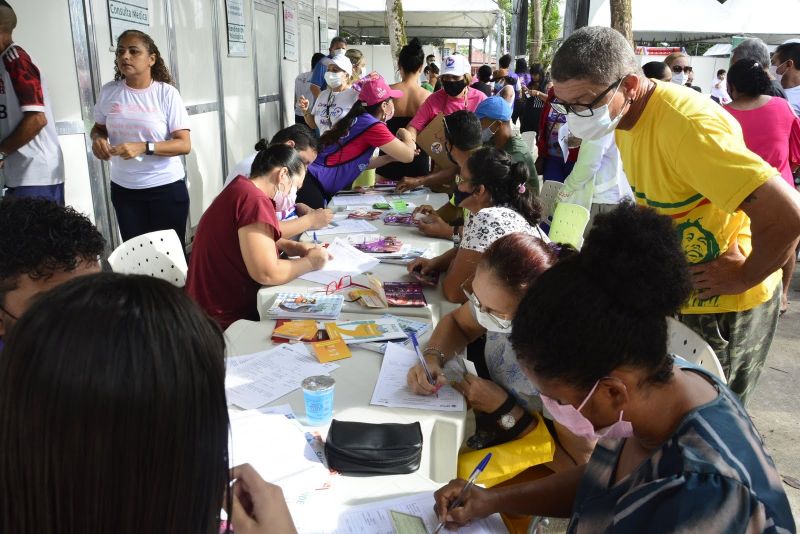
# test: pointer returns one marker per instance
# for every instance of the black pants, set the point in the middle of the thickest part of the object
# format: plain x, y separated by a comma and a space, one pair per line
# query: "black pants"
312, 194
140, 211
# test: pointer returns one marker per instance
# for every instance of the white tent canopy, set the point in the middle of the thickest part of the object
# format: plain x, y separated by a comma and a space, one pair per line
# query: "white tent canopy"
774, 21
455, 19
724, 50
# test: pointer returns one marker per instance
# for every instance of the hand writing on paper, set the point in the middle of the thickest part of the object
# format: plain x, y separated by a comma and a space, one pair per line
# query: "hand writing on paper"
258, 506
477, 503
320, 218
318, 257
408, 183
418, 381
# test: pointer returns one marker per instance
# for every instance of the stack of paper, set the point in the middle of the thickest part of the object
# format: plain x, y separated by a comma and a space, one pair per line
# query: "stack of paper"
278, 449
341, 224
305, 306
405, 515
257, 379
347, 260
362, 331
419, 328
392, 390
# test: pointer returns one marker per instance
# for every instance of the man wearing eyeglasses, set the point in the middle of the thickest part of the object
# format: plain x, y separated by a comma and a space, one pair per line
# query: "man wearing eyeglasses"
685, 158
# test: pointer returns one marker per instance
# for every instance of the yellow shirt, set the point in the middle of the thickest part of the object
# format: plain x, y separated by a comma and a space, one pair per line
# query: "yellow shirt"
686, 158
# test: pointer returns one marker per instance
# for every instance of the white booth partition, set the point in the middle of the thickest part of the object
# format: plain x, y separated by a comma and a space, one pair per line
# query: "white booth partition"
225, 55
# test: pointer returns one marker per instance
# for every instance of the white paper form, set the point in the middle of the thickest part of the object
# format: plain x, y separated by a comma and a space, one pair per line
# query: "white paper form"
342, 225
346, 260
267, 376
376, 518
276, 447
392, 391
358, 200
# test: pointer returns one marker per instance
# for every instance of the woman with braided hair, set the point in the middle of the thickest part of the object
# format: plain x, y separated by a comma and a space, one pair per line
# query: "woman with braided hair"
141, 127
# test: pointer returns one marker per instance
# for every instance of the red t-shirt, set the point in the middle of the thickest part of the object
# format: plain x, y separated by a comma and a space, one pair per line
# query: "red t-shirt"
374, 137
773, 132
218, 279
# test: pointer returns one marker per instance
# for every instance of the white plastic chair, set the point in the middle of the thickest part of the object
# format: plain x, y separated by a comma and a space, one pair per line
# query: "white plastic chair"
569, 222
157, 254
686, 343
548, 197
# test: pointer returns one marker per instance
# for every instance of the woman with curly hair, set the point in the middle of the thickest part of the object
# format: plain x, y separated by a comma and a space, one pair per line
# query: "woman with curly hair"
676, 450
141, 127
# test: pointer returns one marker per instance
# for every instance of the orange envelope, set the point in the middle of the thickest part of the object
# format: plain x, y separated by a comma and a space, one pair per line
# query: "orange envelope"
331, 350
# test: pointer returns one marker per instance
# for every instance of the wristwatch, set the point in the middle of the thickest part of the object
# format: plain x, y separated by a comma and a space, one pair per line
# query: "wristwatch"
507, 421
3, 156
151, 148
456, 237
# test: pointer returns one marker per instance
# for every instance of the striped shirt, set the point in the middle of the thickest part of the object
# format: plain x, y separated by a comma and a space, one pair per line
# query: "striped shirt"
712, 475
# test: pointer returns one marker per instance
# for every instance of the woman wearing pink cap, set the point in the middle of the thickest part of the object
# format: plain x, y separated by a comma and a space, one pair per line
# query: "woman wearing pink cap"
348, 146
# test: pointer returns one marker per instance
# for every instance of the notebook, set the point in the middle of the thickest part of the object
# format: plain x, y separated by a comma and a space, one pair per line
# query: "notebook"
305, 306
351, 332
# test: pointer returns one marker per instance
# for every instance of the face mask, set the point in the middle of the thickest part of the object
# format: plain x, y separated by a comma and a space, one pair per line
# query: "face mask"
773, 70
679, 78
338, 52
454, 88
575, 422
595, 127
285, 202
333, 79
488, 321
459, 196
487, 134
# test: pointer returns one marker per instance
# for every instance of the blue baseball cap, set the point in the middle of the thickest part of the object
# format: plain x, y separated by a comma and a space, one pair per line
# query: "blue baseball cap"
494, 107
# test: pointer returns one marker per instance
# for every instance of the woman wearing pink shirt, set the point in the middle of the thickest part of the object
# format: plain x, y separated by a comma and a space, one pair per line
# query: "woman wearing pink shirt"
770, 129
455, 95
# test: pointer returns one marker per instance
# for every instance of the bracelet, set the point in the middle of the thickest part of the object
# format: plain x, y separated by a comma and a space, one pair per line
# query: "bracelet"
438, 353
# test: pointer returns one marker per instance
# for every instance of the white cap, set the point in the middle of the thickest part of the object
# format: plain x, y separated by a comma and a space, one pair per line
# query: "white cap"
456, 65
343, 62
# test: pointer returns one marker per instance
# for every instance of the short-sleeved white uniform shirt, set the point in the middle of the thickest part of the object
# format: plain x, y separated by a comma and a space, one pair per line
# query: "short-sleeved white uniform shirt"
142, 115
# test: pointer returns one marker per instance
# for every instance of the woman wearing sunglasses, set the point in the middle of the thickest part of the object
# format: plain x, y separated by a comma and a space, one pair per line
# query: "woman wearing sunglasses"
506, 403
678, 62
499, 203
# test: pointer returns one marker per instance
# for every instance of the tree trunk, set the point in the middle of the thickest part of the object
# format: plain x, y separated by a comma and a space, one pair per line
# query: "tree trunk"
622, 18
536, 31
396, 25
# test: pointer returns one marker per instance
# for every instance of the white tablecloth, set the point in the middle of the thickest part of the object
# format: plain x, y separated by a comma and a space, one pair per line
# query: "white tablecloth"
443, 432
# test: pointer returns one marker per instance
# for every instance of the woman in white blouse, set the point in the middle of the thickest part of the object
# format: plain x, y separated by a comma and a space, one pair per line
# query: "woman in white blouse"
141, 127
499, 203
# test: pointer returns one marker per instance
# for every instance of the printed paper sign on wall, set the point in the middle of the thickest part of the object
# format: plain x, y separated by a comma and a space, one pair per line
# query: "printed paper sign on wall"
237, 44
290, 31
128, 15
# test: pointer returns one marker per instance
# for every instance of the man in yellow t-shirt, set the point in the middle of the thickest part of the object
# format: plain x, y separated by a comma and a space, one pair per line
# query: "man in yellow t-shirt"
685, 157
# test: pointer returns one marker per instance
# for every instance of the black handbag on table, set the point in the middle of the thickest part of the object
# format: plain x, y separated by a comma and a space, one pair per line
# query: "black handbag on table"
373, 449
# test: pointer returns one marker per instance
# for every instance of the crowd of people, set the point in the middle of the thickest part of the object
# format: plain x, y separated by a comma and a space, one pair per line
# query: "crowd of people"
693, 215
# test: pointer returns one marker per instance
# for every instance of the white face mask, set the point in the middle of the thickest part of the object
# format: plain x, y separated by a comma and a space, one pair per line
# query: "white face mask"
679, 78
489, 321
334, 79
595, 127
338, 52
773, 70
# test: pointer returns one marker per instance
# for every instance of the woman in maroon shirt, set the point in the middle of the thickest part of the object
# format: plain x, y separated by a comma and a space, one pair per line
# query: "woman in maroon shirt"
238, 242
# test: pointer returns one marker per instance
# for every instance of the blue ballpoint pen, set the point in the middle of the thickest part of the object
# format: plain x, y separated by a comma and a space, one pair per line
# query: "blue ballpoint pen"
315, 238
428, 374
463, 493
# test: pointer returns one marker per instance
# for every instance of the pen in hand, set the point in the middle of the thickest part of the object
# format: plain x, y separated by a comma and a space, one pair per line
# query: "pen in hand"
463, 493
422, 361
